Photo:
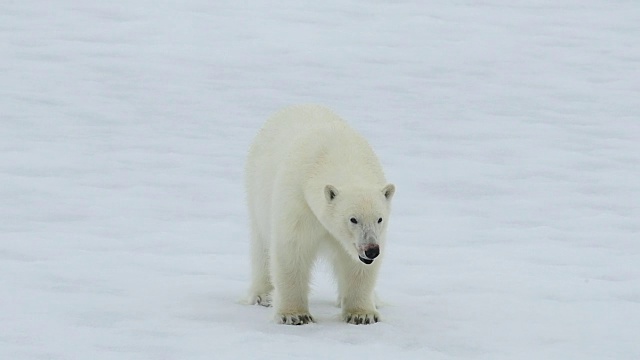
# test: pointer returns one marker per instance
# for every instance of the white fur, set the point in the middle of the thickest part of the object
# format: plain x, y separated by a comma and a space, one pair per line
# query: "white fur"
308, 173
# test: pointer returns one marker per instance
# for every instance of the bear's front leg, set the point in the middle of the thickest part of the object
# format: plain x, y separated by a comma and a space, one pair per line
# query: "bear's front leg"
291, 264
356, 283
359, 308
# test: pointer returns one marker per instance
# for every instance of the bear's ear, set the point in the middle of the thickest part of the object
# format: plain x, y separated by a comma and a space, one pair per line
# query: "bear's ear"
330, 192
388, 191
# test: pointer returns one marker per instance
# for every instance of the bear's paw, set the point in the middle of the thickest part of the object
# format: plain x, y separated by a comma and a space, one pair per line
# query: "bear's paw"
258, 299
295, 319
361, 317
263, 300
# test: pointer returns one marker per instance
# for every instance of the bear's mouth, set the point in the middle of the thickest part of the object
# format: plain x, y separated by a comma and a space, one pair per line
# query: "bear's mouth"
366, 261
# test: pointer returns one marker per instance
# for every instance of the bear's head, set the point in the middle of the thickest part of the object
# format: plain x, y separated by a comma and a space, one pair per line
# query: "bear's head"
357, 217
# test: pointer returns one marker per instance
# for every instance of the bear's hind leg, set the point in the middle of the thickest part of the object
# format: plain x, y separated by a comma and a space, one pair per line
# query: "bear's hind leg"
261, 286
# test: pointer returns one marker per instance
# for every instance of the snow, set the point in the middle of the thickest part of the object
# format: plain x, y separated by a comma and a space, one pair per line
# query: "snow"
511, 130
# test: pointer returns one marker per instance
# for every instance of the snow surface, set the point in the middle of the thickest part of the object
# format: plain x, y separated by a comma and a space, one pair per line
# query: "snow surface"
511, 129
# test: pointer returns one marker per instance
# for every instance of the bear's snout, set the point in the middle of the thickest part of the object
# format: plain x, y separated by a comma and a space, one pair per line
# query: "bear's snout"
372, 251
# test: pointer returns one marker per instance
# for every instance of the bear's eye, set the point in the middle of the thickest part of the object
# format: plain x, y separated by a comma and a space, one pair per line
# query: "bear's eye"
379, 220
353, 220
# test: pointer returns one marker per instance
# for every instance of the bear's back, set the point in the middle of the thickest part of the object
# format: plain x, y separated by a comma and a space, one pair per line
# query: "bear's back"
301, 137
296, 122
286, 130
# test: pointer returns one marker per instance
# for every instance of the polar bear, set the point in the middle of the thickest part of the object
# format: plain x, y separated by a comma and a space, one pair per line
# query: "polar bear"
314, 183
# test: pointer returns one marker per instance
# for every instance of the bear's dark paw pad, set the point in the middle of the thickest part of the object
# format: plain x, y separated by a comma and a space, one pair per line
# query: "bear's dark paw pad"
361, 318
296, 319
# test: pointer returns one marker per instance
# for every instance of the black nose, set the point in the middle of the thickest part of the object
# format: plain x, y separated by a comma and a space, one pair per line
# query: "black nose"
372, 252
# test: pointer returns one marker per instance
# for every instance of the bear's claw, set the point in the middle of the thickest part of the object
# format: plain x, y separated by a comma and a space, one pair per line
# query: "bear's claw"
295, 319
361, 318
